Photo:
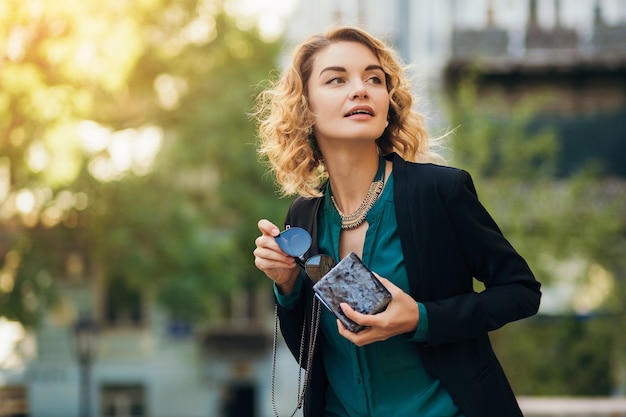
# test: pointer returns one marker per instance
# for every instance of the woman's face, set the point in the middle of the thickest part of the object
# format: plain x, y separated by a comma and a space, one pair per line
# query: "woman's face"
347, 94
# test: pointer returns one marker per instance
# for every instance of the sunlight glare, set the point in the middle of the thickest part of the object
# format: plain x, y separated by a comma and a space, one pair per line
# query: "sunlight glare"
25, 201
95, 137
201, 30
38, 157
5, 178
145, 149
35, 8
85, 54
169, 89
15, 45
268, 15
81, 201
598, 288
120, 149
51, 216
11, 332
64, 200
114, 154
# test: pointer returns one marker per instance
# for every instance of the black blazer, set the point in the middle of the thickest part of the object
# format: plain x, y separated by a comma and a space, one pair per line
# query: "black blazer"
448, 238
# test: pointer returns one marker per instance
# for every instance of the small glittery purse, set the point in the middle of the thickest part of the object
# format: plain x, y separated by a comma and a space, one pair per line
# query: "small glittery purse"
352, 282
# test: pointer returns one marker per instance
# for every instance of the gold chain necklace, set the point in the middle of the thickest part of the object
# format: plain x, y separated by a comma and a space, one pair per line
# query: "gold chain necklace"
354, 220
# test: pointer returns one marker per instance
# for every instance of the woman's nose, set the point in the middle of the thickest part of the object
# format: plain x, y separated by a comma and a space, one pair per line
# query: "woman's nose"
359, 90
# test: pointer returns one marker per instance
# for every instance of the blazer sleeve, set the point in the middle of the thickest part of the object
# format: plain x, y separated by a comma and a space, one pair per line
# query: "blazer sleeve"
295, 319
511, 290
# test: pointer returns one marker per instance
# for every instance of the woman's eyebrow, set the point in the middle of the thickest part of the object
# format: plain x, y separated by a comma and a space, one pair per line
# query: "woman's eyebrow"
337, 69
342, 69
374, 67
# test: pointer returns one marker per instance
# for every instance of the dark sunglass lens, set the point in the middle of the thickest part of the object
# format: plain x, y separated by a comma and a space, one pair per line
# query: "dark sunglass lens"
294, 241
318, 266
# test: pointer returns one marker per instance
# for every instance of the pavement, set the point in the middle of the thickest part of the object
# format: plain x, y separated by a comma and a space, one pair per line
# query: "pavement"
572, 407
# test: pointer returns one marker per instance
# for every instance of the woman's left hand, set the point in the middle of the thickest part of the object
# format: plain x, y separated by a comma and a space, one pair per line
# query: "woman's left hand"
401, 316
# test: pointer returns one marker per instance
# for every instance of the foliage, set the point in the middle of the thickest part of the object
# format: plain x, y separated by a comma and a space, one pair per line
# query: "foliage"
493, 139
559, 356
570, 230
133, 146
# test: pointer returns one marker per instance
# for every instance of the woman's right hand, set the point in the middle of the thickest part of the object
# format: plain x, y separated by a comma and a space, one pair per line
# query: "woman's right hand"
269, 258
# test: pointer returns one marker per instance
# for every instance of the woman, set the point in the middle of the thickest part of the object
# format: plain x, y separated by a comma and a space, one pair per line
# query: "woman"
336, 125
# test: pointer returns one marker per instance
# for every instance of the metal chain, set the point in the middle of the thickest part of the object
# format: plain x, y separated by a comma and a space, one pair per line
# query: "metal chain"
354, 220
312, 340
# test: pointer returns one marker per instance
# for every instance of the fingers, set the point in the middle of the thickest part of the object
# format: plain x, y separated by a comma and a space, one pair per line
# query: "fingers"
362, 337
268, 228
355, 316
269, 258
266, 246
267, 242
266, 260
343, 331
391, 287
267, 255
401, 316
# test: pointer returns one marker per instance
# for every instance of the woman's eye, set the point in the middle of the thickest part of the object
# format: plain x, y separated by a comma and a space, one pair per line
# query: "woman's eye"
335, 80
375, 80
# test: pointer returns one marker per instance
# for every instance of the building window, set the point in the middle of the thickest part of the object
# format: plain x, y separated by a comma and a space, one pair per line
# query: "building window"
13, 402
124, 306
123, 400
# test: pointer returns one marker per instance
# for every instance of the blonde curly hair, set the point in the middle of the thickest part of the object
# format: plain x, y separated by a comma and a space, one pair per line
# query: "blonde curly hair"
285, 121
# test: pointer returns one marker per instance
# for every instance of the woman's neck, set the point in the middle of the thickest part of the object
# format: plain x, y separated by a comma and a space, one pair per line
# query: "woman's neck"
350, 175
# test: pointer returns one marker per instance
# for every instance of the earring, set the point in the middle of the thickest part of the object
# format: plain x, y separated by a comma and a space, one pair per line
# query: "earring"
386, 124
310, 131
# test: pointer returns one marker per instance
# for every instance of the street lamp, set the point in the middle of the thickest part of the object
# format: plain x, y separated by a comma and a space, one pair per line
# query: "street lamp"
85, 339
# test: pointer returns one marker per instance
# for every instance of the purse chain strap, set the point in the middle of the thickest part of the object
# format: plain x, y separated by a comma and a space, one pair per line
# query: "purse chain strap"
312, 340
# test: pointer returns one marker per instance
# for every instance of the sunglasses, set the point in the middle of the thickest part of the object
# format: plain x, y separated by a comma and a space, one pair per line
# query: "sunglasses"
295, 241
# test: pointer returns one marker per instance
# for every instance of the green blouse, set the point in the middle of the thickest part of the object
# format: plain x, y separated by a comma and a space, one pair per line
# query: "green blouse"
384, 378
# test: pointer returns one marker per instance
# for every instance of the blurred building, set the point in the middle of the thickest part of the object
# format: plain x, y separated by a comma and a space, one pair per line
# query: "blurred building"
578, 70
571, 51
427, 33
107, 350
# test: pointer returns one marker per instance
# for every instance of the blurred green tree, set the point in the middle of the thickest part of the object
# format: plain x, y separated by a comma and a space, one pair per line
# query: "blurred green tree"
130, 150
570, 230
